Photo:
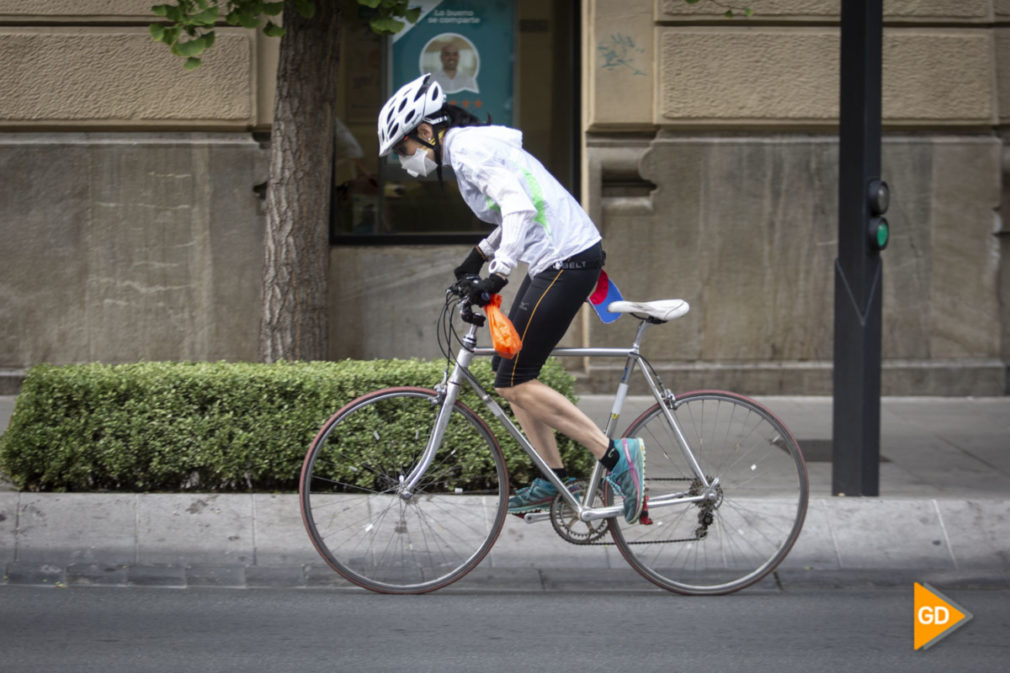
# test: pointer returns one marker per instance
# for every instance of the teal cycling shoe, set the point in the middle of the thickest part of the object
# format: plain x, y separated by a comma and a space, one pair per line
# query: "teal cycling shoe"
537, 496
628, 477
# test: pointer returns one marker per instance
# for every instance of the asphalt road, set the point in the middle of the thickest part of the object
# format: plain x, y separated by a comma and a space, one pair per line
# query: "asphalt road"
133, 630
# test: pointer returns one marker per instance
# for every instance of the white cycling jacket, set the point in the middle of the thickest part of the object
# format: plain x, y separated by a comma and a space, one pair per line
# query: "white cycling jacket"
539, 222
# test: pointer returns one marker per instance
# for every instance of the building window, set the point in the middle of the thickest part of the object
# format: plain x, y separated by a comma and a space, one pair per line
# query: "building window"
525, 76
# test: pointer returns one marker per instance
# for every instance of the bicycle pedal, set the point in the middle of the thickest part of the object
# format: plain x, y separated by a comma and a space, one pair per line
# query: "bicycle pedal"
645, 519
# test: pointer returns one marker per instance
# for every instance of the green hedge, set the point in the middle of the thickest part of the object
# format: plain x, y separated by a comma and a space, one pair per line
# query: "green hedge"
167, 426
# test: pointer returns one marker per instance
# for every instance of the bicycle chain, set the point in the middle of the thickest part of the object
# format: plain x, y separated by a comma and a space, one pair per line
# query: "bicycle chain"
705, 518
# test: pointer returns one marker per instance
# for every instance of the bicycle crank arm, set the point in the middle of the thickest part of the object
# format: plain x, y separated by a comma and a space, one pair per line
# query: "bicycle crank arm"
534, 517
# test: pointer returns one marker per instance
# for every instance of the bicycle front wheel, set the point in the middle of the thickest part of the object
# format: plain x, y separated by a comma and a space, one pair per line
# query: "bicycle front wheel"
350, 492
732, 542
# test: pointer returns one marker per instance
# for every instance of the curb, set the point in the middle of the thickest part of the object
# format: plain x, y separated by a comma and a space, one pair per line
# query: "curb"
513, 580
257, 540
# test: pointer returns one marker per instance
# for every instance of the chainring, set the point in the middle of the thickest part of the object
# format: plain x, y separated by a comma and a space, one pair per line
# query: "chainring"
567, 524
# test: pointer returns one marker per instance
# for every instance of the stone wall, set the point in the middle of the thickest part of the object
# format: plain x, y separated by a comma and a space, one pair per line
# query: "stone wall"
92, 63
745, 229
126, 247
130, 227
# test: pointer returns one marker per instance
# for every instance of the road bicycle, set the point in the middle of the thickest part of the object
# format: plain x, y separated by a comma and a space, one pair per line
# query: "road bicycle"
405, 489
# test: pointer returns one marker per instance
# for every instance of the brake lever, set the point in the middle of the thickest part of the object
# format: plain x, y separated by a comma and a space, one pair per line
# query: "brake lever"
467, 314
461, 288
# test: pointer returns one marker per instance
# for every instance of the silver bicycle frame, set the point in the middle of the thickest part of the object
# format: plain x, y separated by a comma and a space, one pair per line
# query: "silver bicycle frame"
632, 355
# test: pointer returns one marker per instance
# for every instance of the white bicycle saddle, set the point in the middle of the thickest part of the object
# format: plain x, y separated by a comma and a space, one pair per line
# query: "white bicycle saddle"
662, 309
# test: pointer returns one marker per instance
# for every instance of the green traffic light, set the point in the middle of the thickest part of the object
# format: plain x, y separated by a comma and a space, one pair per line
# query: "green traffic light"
880, 233
883, 232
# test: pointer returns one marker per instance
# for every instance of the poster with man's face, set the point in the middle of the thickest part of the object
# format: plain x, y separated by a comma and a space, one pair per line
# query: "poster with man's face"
468, 47
454, 62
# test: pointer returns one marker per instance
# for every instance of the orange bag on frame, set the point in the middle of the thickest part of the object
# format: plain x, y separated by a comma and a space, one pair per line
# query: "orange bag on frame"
504, 336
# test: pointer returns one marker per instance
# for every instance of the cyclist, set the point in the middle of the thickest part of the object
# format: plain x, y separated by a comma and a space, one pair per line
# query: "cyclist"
541, 224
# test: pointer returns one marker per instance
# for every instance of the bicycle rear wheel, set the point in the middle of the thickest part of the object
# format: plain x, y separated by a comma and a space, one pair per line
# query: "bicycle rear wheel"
729, 544
364, 529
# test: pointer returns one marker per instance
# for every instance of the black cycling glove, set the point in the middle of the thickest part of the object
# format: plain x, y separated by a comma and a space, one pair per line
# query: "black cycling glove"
481, 292
471, 266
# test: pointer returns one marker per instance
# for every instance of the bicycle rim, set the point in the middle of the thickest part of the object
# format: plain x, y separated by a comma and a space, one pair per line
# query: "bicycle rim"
762, 495
350, 499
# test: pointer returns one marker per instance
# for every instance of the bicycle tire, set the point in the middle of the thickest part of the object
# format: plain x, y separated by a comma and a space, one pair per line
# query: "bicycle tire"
349, 493
763, 486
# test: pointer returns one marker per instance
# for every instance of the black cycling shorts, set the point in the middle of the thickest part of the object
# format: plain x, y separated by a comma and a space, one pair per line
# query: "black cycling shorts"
542, 311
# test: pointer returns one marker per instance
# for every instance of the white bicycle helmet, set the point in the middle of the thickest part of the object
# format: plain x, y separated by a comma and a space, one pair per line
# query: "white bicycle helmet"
412, 104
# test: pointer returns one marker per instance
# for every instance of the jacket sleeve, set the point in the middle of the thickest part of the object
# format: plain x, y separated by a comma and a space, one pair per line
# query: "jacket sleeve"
490, 244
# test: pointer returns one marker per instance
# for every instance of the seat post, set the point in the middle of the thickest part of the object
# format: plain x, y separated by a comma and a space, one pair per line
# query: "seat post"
643, 325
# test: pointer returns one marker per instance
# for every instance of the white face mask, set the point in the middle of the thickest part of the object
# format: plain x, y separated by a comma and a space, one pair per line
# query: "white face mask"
418, 164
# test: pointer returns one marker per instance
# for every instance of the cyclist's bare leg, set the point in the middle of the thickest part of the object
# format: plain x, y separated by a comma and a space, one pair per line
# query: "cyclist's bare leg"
541, 436
545, 409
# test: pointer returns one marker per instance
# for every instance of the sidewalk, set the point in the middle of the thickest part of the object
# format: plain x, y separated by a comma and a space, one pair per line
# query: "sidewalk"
943, 517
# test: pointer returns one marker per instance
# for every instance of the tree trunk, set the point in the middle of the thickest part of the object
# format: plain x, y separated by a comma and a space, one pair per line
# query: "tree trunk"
296, 264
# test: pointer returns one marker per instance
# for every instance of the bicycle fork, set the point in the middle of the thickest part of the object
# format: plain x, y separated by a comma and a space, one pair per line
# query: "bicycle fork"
449, 396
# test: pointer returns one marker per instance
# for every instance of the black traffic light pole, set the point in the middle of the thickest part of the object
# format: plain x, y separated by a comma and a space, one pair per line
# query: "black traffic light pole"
862, 198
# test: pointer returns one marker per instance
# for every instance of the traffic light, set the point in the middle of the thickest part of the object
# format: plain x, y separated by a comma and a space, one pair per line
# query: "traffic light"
878, 231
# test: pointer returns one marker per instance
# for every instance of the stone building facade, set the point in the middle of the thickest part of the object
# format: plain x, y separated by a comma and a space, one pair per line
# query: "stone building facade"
131, 229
